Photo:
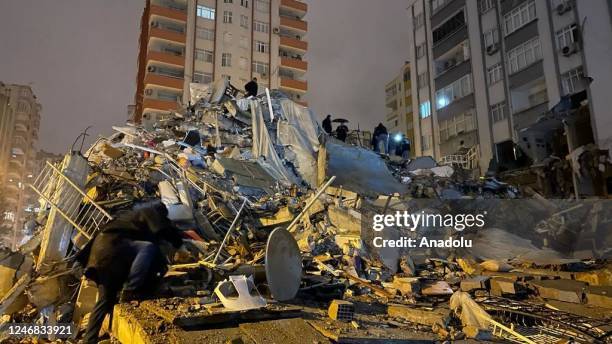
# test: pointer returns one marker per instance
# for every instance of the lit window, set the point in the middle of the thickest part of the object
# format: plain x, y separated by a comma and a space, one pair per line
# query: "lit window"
227, 17
425, 109
226, 60
205, 12
519, 17
524, 55
494, 73
206, 34
456, 90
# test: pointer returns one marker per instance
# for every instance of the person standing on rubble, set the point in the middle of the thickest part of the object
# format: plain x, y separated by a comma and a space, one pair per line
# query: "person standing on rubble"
125, 256
251, 88
327, 124
342, 132
380, 137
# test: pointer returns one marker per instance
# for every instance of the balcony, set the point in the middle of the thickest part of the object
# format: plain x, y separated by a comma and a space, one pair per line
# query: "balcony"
164, 81
168, 35
293, 24
294, 64
294, 7
295, 85
160, 105
164, 57
169, 12
293, 44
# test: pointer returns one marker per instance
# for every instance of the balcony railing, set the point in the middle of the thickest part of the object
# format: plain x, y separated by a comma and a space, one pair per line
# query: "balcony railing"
294, 63
163, 80
158, 104
291, 42
168, 35
293, 23
165, 57
294, 84
169, 12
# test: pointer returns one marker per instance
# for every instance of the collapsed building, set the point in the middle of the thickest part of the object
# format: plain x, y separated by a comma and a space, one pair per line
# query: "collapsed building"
277, 218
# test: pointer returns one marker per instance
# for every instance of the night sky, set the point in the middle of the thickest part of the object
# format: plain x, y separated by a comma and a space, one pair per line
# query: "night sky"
79, 56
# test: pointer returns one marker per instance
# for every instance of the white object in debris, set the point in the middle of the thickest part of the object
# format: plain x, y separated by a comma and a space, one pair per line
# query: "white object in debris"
177, 201
443, 171
168, 143
239, 294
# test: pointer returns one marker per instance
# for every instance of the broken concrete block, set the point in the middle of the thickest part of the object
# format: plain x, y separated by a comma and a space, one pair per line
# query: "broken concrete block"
429, 317
86, 300
478, 282
406, 285
437, 288
348, 241
111, 152
477, 333
562, 290
600, 296
504, 286
468, 265
283, 215
496, 266
346, 220
341, 310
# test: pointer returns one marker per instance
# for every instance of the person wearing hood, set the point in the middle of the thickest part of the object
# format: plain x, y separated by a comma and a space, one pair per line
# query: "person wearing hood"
124, 258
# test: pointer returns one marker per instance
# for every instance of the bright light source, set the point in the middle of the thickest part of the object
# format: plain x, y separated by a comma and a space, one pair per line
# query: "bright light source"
397, 137
442, 102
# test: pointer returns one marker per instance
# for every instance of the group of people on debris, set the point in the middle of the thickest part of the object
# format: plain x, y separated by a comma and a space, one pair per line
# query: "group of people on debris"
381, 141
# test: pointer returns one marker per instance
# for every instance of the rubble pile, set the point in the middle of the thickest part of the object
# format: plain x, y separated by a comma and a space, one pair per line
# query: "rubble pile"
275, 217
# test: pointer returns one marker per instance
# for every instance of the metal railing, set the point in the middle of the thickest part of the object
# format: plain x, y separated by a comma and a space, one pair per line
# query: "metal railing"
468, 161
72, 203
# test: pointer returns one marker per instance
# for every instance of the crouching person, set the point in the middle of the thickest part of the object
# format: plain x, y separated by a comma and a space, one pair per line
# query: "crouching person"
125, 261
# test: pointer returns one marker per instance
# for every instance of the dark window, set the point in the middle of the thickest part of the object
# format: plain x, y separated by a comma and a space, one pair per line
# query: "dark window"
449, 27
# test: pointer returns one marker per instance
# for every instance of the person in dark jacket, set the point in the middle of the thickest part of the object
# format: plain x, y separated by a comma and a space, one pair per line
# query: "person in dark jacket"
125, 256
327, 124
342, 132
380, 136
251, 88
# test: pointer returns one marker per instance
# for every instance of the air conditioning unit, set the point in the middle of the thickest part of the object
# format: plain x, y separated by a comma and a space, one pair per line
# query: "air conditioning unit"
151, 69
276, 30
492, 49
154, 24
570, 49
148, 91
564, 7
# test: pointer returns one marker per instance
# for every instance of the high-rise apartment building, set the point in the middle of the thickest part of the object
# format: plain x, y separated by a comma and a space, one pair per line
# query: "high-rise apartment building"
398, 100
487, 69
21, 114
185, 41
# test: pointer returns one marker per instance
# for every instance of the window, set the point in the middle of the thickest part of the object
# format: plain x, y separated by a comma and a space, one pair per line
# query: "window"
419, 20
438, 4
227, 37
498, 112
485, 5
407, 77
260, 67
490, 37
443, 127
203, 55
494, 73
572, 81
524, 55
425, 109
420, 50
261, 26
202, 78
206, 34
228, 1
244, 3
244, 21
519, 16
164, 95
262, 5
456, 90
262, 47
449, 27
205, 12
567, 36
423, 79
227, 17
226, 60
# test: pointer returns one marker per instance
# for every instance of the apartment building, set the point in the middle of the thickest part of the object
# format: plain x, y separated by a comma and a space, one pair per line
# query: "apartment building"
487, 69
21, 115
398, 101
185, 41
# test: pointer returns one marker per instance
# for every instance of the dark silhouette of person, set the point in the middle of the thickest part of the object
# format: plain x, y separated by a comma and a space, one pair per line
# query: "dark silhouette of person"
327, 124
342, 132
379, 134
251, 88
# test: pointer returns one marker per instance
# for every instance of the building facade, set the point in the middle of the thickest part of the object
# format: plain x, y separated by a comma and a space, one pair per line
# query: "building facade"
185, 41
487, 69
22, 115
398, 101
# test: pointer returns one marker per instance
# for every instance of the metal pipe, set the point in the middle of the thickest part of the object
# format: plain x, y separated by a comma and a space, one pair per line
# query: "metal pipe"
310, 203
227, 234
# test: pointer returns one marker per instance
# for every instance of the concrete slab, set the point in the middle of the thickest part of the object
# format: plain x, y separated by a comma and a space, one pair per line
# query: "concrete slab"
282, 331
599, 296
478, 282
420, 316
561, 289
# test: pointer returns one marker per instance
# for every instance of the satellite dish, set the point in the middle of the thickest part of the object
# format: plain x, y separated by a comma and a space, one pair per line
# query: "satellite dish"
283, 265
